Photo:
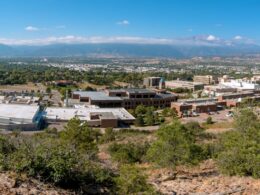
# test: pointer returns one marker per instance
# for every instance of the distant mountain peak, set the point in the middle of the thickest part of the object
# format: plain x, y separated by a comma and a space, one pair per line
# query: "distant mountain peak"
133, 50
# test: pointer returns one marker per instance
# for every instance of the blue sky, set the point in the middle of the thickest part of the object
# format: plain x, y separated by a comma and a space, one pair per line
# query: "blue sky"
50, 21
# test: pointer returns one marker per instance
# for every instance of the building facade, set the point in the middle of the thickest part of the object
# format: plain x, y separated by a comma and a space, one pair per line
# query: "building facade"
194, 86
126, 98
95, 117
205, 79
20, 117
152, 82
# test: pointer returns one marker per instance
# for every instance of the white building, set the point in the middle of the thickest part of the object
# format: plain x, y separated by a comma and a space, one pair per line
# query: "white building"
241, 85
217, 90
102, 117
19, 117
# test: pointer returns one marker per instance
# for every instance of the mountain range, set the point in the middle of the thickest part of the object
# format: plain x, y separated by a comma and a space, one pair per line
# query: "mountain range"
127, 50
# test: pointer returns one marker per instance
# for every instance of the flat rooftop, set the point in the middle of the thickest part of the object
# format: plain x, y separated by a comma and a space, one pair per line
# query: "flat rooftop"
198, 100
165, 95
116, 90
96, 95
239, 93
183, 82
139, 90
104, 115
26, 112
219, 86
84, 113
193, 103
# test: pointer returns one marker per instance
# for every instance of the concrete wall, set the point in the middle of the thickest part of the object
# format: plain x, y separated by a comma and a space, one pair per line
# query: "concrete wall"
104, 123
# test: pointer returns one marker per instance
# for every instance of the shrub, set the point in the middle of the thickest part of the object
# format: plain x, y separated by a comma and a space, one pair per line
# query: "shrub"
108, 136
169, 112
81, 136
66, 159
244, 119
132, 181
128, 153
176, 145
209, 120
139, 121
239, 150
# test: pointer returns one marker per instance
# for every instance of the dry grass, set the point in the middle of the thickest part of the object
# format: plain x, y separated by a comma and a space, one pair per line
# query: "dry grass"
121, 84
28, 87
219, 125
84, 85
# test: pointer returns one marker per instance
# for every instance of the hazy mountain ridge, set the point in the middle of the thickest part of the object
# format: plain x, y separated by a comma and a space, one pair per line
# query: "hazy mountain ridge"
127, 50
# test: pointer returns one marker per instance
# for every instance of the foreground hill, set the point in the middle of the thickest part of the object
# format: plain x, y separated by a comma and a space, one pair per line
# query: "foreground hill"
202, 179
10, 184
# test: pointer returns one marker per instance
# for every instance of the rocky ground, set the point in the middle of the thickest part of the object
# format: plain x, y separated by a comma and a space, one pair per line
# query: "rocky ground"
202, 180
11, 185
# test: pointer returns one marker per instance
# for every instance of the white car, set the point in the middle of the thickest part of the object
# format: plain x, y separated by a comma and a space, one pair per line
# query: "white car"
195, 114
229, 114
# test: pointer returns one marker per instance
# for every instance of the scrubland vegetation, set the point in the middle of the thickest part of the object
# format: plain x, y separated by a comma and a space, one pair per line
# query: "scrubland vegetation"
69, 159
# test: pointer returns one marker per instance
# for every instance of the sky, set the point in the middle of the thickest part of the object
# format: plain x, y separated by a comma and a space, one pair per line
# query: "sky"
145, 21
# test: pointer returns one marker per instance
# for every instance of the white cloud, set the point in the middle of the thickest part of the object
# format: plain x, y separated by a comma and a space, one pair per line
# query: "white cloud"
123, 22
212, 38
71, 39
238, 37
209, 40
31, 28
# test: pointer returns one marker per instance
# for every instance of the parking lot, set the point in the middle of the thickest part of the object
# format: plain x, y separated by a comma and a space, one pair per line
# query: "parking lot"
219, 116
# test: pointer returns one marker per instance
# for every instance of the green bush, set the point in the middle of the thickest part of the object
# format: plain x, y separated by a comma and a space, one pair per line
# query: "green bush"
82, 137
139, 121
146, 116
239, 150
128, 153
209, 120
169, 112
67, 159
240, 155
108, 136
132, 181
176, 144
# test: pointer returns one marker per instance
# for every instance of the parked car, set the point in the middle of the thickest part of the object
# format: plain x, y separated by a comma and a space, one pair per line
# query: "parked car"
194, 113
230, 114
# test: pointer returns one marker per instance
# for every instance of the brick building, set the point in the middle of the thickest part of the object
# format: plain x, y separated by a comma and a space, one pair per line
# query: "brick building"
127, 98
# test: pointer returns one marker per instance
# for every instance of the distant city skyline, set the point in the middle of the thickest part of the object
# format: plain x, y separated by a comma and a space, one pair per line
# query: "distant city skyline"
194, 22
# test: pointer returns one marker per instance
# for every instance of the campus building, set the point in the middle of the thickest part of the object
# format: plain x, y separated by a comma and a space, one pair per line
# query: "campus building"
94, 116
217, 90
152, 82
206, 105
200, 105
126, 98
235, 95
20, 117
241, 85
205, 79
194, 86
